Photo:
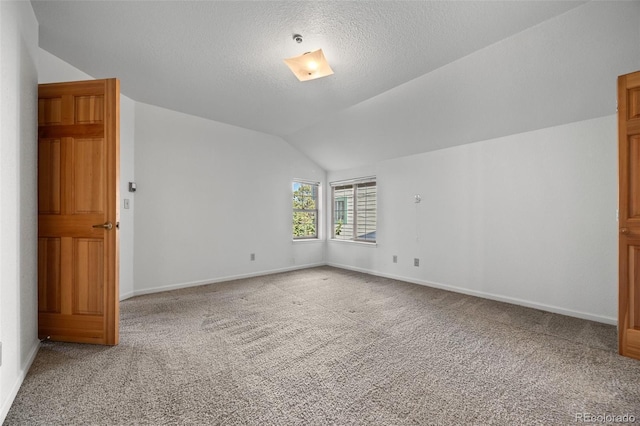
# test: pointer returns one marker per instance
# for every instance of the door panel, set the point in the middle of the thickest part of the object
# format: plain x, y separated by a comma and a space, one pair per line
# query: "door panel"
89, 109
88, 278
88, 175
49, 176
629, 214
49, 111
634, 177
49, 256
634, 104
634, 284
78, 165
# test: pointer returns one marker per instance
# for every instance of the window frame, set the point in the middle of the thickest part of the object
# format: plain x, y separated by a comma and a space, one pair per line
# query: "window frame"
315, 211
353, 185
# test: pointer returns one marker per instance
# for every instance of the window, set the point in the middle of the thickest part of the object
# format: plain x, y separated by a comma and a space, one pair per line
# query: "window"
340, 210
354, 210
305, 210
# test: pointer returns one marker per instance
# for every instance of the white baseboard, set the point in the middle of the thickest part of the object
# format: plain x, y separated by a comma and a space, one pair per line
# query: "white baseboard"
462, 290
6, 404
221, 279
124, 296
484, 295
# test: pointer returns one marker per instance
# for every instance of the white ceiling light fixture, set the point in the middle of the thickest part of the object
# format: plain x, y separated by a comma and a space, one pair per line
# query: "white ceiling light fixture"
309, 65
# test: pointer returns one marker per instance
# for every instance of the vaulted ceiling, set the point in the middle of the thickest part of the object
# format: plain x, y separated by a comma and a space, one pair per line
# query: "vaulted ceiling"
223, 60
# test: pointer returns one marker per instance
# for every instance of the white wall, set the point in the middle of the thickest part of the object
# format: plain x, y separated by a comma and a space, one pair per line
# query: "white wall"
52, 69
127, 174
18, 203
528, 218
209, 194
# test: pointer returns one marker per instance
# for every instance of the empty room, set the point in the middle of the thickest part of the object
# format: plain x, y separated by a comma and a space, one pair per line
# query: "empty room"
319, 212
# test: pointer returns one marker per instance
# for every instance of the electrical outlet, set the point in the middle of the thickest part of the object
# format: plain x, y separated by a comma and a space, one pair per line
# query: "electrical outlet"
416, 262
126, 203
253, 256
395, 259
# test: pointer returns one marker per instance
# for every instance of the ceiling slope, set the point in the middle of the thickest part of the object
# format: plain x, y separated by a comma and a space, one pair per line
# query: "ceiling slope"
561, 71
443, 70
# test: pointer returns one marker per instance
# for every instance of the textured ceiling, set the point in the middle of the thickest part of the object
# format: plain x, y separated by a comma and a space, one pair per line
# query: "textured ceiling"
224, 60
561, 71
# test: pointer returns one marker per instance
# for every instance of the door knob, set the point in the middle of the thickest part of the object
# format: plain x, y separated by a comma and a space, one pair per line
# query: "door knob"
108, 226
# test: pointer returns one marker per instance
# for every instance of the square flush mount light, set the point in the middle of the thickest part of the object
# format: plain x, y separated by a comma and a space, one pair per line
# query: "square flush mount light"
310, 65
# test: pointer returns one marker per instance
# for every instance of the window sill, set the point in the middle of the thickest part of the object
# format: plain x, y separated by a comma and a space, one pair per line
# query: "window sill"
308, 240
360, 243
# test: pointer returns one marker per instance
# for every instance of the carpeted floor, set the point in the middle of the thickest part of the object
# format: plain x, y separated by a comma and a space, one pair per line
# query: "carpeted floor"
328, 346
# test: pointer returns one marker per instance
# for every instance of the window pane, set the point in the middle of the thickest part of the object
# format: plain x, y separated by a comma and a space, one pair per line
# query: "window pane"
343, 212
366, 212
340, 212
305, 210
304, 224
355, 212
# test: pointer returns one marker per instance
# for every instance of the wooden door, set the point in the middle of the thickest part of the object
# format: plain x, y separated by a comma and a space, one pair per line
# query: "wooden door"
78, 180
629, 214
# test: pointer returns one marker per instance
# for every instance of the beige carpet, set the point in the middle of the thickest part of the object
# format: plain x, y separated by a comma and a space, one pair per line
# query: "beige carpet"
327, 346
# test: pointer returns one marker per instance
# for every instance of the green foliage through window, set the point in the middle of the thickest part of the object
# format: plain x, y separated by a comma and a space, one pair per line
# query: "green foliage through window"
305, 210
